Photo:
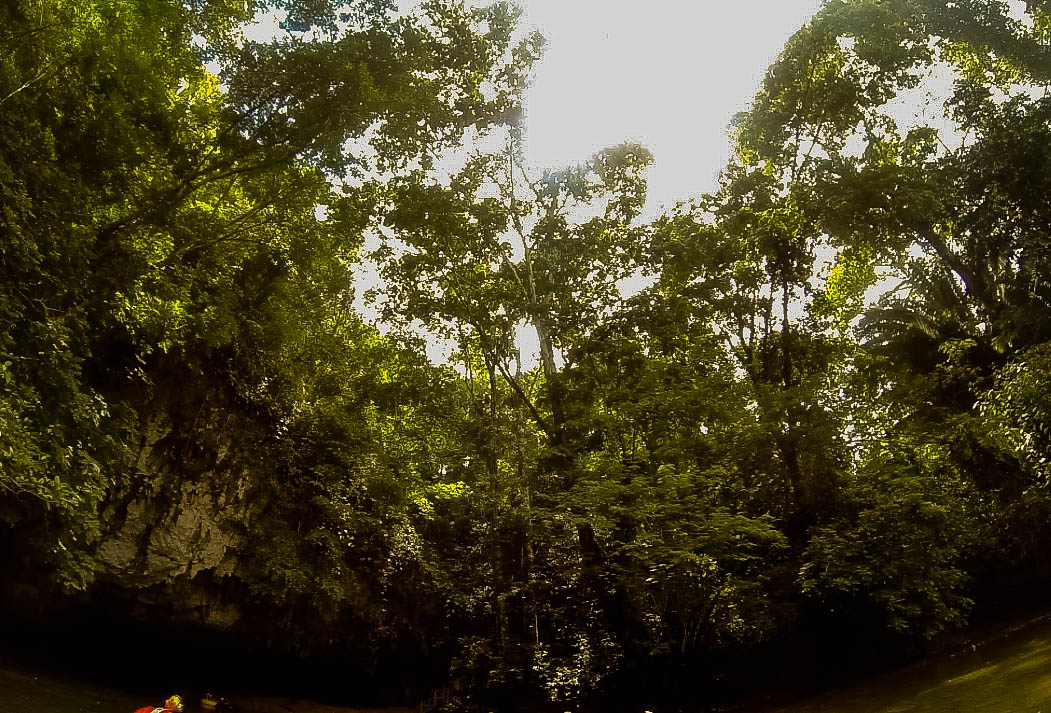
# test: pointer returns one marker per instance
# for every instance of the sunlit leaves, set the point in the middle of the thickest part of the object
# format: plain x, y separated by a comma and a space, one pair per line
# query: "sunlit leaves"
845, 287
154, 211
831, 76
1016, 409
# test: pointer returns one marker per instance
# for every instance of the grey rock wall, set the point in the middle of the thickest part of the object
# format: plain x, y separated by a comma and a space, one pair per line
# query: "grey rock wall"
199, 483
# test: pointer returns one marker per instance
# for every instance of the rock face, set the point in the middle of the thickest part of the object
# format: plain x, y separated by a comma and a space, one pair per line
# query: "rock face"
199, 483
172, 599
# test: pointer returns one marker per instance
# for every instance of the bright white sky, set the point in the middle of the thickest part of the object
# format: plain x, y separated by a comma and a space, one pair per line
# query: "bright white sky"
669, 74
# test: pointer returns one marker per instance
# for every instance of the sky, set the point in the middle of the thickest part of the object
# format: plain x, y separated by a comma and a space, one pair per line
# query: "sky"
669, 74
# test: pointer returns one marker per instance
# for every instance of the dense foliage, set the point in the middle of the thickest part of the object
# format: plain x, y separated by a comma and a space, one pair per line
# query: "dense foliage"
826, 412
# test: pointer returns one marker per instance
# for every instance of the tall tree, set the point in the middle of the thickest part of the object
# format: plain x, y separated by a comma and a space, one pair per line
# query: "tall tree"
152, 206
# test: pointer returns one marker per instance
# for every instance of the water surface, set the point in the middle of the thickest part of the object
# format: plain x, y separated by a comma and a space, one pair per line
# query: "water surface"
1010, 675
28, 691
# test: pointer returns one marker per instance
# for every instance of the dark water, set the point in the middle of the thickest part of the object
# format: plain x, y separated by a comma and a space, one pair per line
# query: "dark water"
26, 691
1011, 675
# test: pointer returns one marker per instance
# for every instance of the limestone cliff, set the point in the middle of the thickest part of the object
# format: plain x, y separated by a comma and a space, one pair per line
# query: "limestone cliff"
199, 482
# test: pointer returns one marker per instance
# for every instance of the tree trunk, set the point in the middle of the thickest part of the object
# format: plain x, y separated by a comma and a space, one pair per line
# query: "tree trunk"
787, 443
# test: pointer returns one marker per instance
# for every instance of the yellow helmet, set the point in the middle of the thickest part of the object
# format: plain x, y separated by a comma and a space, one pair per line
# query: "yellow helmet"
174, 703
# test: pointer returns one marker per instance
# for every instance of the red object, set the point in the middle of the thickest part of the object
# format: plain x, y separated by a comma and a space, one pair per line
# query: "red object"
146, 709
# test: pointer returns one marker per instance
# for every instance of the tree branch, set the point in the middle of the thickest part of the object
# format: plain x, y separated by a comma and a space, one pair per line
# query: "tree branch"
483, 339
972, 282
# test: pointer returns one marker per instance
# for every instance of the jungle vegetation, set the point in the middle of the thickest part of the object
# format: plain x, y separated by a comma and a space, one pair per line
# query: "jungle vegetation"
825, 415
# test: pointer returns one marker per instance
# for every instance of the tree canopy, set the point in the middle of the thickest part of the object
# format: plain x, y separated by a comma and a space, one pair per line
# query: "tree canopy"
823, 420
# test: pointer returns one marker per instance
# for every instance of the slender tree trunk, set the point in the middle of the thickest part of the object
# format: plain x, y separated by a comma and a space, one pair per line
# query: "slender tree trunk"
530, 616
786, 335
556, 395
788, 441
488, 448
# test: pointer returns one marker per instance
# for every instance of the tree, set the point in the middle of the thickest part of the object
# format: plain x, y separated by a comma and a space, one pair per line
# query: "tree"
152, 208
875, 188
494, 249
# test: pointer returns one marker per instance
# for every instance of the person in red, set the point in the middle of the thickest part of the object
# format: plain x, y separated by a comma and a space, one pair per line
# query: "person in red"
172, 705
